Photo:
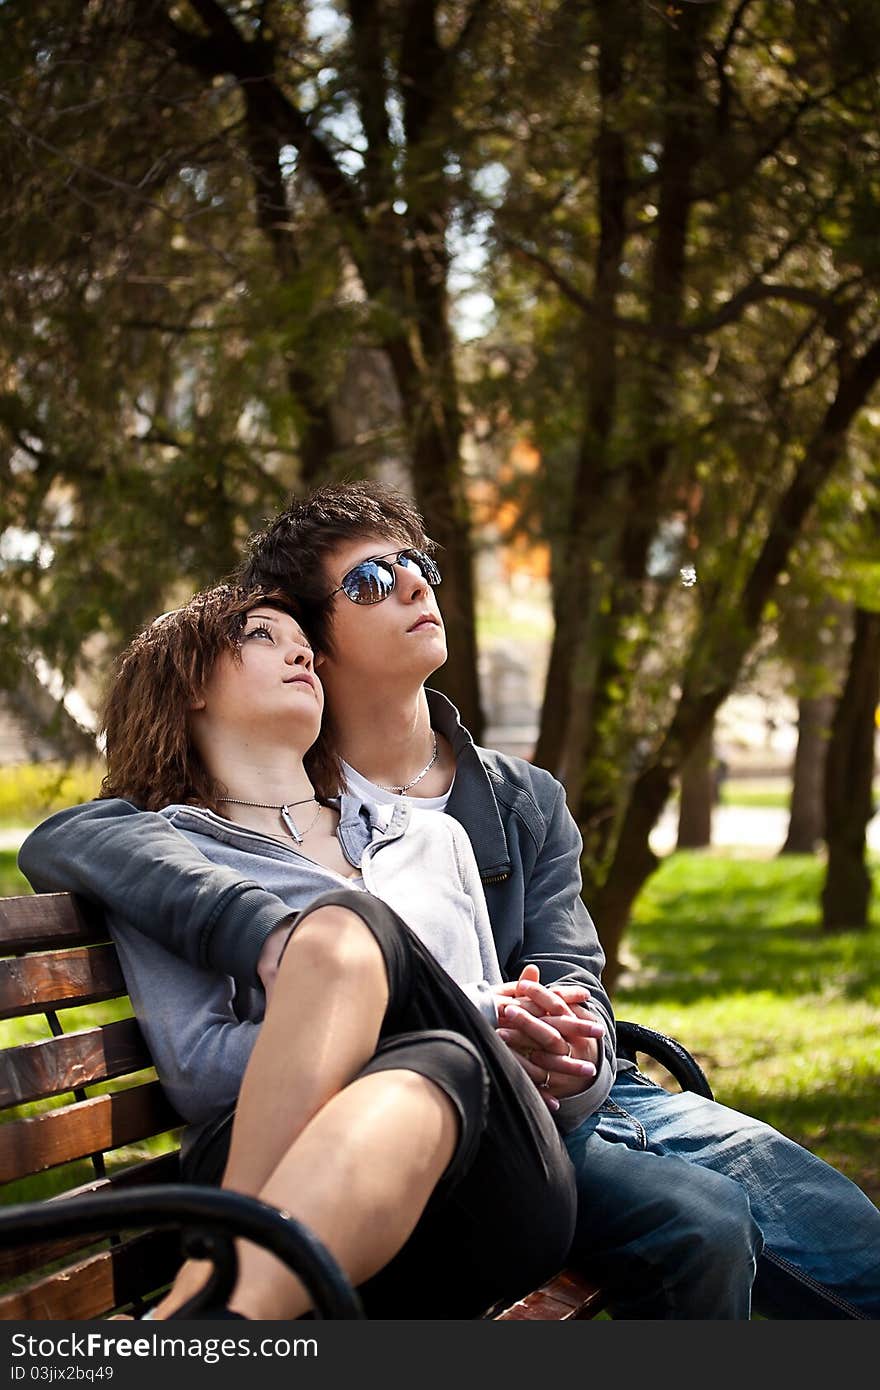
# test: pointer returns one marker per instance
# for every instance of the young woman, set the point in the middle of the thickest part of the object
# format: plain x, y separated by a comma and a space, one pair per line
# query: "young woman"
368, 1095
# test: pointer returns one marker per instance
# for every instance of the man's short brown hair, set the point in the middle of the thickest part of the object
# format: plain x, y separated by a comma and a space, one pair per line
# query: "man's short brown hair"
290, 553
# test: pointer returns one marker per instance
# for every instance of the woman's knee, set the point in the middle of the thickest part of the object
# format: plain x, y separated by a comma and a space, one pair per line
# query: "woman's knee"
333, 940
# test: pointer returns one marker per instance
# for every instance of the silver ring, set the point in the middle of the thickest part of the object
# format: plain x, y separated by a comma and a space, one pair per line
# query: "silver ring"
568, 1053
545, 1083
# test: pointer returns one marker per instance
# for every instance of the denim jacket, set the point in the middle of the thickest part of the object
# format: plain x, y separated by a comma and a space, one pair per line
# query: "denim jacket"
526, 845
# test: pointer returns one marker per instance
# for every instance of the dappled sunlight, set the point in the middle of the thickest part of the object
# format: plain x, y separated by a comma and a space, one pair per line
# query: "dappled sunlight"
710, 926
729, 957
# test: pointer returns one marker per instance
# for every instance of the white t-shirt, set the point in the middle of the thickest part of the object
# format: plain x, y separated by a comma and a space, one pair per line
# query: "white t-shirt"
382, 797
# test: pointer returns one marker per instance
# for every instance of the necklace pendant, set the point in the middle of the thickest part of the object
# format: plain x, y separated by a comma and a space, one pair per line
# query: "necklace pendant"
287, 819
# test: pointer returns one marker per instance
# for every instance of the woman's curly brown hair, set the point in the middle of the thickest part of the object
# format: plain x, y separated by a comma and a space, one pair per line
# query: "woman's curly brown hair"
151, 758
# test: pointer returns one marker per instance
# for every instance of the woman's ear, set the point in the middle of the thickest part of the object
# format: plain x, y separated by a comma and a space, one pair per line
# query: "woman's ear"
197, 703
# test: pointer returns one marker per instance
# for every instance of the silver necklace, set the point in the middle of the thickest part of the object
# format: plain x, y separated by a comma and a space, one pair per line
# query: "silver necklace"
284, 810
425, 770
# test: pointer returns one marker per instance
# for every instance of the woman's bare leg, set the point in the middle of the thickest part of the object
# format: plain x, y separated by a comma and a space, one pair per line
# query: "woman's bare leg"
322, 1026
320, 1029
384, 1141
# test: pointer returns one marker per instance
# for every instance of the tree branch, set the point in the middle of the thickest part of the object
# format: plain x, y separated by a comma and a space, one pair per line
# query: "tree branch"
734, 308
372, 98
225, 52
719, 57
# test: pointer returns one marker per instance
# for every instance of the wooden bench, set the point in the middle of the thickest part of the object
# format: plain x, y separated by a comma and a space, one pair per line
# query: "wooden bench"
97, 1127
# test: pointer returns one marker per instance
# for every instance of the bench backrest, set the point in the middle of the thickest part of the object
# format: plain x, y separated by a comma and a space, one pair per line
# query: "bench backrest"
75, 1105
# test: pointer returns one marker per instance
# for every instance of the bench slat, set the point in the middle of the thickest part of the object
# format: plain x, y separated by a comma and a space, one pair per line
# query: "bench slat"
568, 1296
34, 1071
23, 1259
43, 921
85, 975
39, 1142
101, 1283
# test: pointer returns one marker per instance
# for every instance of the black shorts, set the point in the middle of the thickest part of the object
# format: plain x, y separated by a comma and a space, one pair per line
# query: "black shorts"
502, 1217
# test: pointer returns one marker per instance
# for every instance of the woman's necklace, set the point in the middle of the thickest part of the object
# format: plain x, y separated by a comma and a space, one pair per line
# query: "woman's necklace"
399, 791
284, 810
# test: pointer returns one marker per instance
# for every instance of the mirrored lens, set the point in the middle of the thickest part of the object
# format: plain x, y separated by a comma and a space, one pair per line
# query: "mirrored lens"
420, 562
369, 582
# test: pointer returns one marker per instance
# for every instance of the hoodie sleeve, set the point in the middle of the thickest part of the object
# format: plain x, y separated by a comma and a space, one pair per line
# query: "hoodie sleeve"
199, 1045
142, 870
559, 936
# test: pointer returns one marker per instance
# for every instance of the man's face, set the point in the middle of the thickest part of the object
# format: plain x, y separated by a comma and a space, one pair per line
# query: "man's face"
402, 638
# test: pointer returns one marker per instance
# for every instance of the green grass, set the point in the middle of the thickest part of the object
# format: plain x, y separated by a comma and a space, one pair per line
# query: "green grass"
728, 956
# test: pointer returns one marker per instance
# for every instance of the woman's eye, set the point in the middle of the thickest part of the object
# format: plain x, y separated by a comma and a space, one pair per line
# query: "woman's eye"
259, 632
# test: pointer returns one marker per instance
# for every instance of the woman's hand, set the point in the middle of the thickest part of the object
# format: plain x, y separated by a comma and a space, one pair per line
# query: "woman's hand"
555, 1039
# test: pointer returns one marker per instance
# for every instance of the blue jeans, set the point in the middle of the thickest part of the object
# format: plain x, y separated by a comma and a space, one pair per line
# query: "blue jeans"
687, 1209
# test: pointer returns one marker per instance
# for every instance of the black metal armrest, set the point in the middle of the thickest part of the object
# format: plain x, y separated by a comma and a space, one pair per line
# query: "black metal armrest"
635, 1037
210, 1219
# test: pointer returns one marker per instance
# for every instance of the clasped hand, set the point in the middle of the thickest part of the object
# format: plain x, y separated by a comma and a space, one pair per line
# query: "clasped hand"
555, 1039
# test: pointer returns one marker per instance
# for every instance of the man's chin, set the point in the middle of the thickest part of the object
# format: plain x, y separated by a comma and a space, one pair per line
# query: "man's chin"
435, 665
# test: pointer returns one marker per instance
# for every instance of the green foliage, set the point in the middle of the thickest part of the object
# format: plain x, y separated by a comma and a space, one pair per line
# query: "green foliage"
31, 791
148, 421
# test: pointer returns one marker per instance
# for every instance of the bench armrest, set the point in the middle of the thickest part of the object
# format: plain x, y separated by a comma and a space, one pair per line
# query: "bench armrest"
635, 1037
210, 1218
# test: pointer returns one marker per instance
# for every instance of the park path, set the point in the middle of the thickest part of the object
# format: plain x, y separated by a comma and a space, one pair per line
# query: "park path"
11, 837
759, 828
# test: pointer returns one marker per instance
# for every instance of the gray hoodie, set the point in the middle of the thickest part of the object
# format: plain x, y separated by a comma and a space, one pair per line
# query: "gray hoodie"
201, 1025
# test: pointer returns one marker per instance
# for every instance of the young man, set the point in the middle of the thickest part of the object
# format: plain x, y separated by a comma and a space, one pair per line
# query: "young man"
686, 1209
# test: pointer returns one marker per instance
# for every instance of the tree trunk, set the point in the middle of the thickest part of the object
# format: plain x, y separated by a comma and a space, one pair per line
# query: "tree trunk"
317, 436
446, 518
567, 706
633, 490
420, 346
716, 656
849, 782
697, 794
634, 862
48, 718
806, 822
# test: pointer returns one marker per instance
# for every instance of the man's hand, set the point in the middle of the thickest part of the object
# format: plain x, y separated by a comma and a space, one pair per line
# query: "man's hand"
273, 946
556, 1040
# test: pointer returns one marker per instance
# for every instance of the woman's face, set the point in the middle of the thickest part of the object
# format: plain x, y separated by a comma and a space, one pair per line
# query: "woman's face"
269, 686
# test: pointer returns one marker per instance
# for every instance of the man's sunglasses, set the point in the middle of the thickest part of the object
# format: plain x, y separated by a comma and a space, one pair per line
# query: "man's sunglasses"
373, 580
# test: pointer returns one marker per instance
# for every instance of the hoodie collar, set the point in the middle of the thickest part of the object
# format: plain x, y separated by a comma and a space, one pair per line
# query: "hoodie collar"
472, 801
361, 823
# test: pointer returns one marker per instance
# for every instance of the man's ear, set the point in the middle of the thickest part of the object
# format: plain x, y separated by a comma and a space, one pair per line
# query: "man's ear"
319, 660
